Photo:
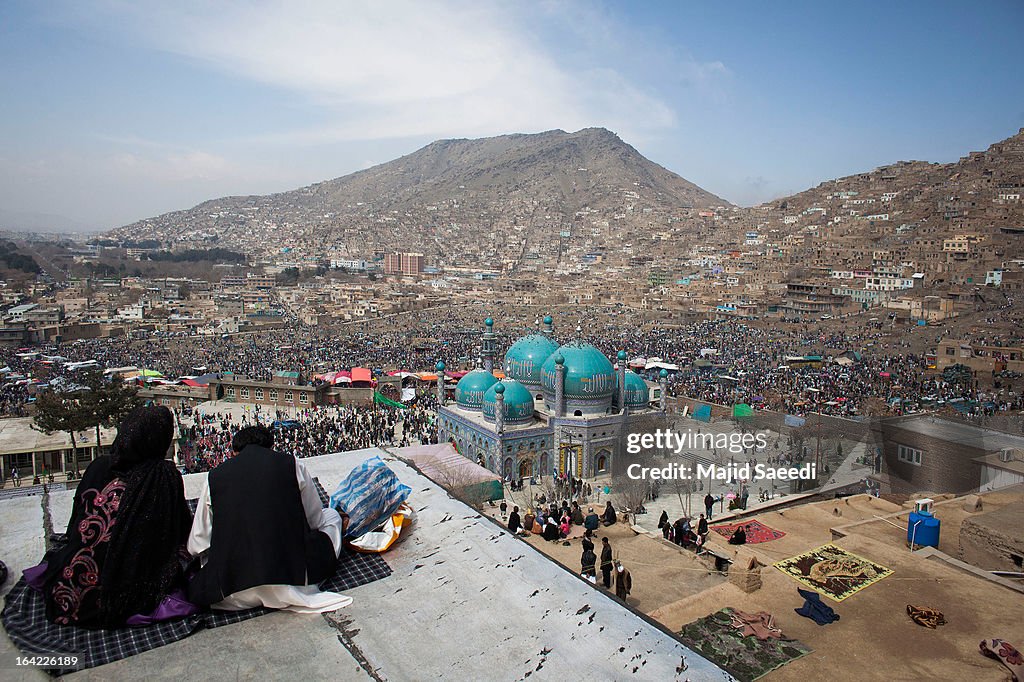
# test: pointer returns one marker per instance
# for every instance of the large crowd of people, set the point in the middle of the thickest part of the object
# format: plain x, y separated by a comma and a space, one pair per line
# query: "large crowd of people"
205, 438
725, 361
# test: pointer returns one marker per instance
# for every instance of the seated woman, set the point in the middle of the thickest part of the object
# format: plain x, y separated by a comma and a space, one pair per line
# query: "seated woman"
528, 520
739, 537
608, 517
550, 529
128, 524
564, 527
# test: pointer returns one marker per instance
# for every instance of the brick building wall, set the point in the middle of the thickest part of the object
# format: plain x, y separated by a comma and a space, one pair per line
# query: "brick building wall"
944, 466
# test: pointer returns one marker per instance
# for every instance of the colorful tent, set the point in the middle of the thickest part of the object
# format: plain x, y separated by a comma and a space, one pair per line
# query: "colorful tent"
361, 374
702, 413
742, 410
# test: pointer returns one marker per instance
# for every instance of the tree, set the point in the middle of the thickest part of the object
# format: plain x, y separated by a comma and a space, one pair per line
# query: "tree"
462, 482
633, 493
60, 411
106, 401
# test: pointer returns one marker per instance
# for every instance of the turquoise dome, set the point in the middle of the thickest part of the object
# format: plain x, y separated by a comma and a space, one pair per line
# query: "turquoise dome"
525, 357
589, 379
637, 393
518, 402
469, 392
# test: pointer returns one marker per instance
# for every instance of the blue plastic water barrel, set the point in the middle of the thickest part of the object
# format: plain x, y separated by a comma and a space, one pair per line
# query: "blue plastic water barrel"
927, 533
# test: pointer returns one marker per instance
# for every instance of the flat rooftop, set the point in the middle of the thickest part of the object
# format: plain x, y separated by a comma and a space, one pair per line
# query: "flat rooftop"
874, 637
17, 435
954, 432
466, 600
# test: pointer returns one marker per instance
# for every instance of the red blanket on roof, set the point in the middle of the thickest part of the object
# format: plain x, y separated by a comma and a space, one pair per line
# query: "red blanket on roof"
756, 531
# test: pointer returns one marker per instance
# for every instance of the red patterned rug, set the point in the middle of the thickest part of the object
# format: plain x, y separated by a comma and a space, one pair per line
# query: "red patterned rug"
756, 531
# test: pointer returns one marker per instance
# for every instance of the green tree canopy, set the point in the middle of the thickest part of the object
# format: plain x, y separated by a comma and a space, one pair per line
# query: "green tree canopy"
60, 411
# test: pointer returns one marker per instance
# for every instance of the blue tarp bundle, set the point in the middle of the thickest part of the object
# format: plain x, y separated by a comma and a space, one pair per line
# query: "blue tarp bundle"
369, 495
702, 413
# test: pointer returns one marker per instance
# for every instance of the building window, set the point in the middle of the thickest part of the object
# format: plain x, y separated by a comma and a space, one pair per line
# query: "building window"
244, 392
230, 392
909, 455
950, 351
288, 397
259, 394
273, 394
303, 397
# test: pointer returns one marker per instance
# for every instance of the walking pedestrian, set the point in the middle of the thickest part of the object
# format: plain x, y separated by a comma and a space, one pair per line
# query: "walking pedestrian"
623, 581
606, 562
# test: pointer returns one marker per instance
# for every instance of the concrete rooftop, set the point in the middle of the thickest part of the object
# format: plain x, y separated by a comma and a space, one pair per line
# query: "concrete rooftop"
466, 601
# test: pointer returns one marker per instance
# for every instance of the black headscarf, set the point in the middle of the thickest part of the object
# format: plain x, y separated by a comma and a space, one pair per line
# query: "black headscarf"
153, 520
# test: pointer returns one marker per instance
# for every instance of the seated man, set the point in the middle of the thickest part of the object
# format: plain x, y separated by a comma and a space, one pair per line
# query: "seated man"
262, 533
608, 518
577, 514
739, 537
513, 521
591, 521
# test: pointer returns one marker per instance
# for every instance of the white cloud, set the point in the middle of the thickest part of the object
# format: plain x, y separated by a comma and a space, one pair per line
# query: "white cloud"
401, 69
173, 167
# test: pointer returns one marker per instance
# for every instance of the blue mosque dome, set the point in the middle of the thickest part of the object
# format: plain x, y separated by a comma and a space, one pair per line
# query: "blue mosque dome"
518, 402
589, 379
637, 393
525, 357
469, 392
548, 319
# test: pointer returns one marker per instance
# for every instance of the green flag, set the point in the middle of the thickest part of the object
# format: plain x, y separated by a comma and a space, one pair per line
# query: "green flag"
378, 398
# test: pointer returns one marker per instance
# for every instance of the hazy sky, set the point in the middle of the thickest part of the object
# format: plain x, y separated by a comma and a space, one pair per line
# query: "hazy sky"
112, 111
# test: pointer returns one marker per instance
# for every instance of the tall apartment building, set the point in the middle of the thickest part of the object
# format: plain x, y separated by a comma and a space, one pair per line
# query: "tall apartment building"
403, 263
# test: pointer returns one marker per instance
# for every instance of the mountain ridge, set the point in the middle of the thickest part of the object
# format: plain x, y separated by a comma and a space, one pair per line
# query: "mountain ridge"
561, 173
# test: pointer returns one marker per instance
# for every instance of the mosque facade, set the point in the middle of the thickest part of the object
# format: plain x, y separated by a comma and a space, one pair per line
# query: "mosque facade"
557, 410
